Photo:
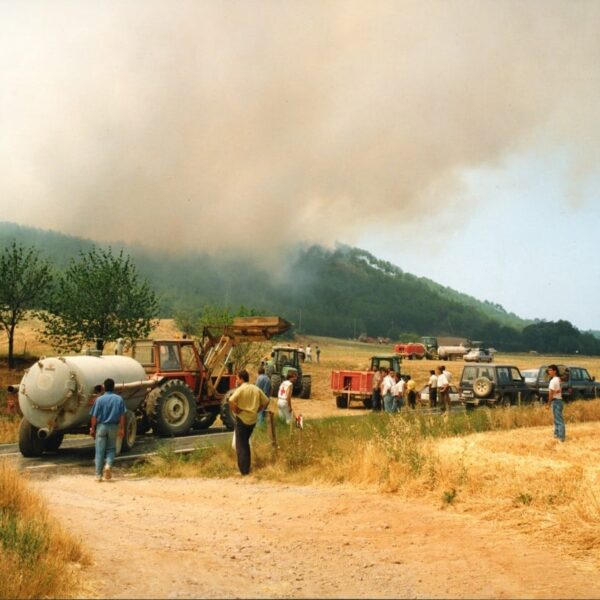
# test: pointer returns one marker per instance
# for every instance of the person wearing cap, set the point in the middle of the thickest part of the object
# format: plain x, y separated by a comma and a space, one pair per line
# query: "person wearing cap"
555, 401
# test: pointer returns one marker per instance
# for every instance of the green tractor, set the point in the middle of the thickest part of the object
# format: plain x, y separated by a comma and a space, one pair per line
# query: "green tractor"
283, 361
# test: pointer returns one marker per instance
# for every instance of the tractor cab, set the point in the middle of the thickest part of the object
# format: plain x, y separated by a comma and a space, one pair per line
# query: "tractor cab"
391, 362
284, 360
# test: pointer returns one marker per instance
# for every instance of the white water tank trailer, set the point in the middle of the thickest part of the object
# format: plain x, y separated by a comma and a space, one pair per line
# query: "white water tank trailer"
56, 396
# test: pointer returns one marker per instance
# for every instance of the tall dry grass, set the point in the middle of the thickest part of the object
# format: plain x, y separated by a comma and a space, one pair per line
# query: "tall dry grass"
37, 558
499, 464
9, 429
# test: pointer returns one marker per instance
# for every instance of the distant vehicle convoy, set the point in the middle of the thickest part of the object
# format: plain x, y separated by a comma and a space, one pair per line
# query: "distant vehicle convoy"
480, 384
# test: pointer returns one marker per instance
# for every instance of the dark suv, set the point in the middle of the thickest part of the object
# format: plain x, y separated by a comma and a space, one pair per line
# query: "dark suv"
577, 384
492, 385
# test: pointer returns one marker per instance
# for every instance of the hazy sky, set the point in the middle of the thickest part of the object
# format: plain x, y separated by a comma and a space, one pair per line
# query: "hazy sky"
459, 140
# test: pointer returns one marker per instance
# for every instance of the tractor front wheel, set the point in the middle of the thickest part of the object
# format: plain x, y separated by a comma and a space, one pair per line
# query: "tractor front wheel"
306, 386
275, 383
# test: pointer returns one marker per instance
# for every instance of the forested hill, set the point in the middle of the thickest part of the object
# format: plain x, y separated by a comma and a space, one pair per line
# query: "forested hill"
341, 292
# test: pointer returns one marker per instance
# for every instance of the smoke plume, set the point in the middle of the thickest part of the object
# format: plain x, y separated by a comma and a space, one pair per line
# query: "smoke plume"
216, 125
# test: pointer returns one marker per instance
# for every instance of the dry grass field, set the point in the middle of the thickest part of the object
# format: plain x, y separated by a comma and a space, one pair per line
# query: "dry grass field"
499, 467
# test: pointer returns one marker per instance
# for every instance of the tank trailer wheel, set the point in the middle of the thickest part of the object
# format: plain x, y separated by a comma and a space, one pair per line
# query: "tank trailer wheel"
29, 443
225, 413
341, 401
125, 444
52, 443
172, 408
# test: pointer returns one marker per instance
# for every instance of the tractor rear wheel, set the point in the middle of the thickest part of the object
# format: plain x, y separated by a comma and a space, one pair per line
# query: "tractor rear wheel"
30, 444
306, 386
143, 425
226, 415
275, 383
172, 408
206, 417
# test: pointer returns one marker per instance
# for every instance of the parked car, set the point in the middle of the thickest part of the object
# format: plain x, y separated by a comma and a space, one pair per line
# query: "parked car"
492, 385
478, 355
530, 376
577, 383
454, 395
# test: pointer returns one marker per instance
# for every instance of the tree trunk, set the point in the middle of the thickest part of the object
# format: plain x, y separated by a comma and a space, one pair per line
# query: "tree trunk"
11, 343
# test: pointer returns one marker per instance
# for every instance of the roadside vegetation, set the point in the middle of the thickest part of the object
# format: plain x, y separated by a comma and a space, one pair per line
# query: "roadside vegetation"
38, 559
501, 464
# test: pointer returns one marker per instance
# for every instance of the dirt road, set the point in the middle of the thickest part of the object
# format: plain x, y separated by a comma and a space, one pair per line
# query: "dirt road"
242, 538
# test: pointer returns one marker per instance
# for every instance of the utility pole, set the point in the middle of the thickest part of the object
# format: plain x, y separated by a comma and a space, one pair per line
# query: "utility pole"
300, 321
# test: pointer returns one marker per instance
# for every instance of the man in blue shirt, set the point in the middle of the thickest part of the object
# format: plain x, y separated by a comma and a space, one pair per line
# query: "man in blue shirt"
264, 383
108, 422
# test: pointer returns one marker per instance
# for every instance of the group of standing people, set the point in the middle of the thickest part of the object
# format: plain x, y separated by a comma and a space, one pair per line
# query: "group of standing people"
439, 388
391, 389
306, 353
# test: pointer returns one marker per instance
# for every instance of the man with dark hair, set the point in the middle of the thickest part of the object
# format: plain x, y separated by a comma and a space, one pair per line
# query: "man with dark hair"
245, 403
264, 383
555, 401
433, 383
107, 422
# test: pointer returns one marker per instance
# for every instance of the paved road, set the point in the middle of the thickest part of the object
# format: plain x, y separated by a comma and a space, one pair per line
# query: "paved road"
78, 453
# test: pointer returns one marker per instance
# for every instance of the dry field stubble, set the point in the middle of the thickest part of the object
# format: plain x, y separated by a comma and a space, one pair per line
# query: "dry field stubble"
38, 559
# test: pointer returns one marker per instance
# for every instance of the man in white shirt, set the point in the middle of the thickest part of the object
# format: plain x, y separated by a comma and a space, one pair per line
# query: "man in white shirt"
386, 391
555, 401
443, 388
433, 383
284, 397
398, 393
447, 374
308, 354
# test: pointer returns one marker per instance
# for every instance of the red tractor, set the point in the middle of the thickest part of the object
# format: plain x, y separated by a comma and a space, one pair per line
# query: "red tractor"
193, 380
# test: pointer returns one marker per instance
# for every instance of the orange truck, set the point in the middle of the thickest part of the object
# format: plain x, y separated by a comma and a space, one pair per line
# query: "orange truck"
411, 351
357, 386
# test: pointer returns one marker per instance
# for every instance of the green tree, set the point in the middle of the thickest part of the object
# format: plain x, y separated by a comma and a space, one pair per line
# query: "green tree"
101, 297
25, 284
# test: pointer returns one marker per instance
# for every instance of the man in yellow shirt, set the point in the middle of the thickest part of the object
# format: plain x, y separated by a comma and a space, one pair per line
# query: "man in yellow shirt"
245, 404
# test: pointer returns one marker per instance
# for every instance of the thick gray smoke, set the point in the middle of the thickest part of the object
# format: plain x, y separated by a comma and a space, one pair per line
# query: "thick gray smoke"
213, 124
